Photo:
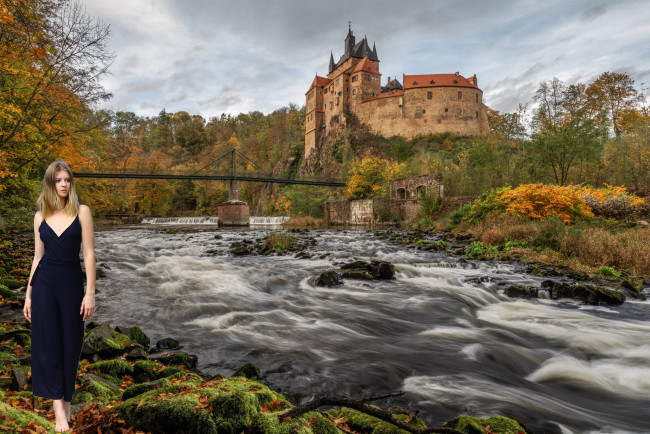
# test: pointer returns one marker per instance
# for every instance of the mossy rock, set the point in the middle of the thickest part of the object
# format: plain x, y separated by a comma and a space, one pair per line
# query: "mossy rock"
328, 278
7, 293
139, 389
362, 422
357, 264
96, 390
357, 273
248, 370
137, 335
115, 368
12, 283
147, 370
538, 271
16, 420
521, 291
119, 341
225, 405
497, 424
168, 344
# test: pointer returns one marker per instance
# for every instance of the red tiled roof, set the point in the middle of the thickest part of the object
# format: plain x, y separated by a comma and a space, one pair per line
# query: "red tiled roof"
435, 80
366, 66
319, 82
392, 93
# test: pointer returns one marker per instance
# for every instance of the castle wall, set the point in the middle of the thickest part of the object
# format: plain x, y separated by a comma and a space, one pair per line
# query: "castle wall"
415, 114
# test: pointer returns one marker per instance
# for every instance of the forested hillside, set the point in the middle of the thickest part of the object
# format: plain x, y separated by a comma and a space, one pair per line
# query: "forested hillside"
53, 57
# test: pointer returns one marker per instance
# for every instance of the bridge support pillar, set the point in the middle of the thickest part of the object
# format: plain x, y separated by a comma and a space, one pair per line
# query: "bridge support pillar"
234, 213
233, 191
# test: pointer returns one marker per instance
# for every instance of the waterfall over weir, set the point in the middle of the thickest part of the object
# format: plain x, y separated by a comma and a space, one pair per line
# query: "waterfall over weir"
181, 220
207, 220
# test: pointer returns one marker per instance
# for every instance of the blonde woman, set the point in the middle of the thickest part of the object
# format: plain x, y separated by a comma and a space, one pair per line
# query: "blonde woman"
55, 302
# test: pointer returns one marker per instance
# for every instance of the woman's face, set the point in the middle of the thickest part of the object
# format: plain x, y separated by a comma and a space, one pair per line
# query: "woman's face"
62, 184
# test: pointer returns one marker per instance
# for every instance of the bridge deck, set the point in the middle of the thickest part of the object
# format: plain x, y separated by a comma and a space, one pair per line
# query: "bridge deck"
330, 183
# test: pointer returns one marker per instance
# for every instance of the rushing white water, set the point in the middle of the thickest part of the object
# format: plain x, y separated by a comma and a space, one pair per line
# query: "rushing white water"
207, 220
442, 330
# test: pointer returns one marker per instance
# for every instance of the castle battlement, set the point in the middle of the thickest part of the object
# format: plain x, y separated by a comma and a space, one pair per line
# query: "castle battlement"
419, 105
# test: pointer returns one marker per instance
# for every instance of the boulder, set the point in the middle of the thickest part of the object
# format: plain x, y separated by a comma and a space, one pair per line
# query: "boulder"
136, 353
521, 291
18, 379
357, 273
328, 278
104, 342
168, 344
382, 270
357, 264
176, 359
247, 370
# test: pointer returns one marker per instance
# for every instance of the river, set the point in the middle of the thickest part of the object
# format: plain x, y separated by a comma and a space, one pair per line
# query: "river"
440, 331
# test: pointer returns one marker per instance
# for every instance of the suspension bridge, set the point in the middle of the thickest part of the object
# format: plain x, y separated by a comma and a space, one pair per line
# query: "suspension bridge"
231, 166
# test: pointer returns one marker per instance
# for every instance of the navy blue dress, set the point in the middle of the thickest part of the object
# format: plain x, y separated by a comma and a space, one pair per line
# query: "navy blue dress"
57, 325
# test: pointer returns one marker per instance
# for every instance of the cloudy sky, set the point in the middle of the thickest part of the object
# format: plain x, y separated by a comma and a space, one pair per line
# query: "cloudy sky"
215, 56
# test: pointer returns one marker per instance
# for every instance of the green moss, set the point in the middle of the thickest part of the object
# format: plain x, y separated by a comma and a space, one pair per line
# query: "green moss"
248, 370
119, 341
137, 335
167, 414
538, 271
474, 425
139, 389
115, 368
7, 293
170, 371
232, 412
82, 397
359, 421
182, 359
11, 283
19, 419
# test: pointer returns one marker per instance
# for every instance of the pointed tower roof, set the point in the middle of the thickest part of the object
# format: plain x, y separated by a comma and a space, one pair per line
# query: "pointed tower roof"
332, 64
374, 51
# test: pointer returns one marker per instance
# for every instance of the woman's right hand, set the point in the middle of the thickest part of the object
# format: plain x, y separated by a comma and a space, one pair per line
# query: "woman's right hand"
27, 309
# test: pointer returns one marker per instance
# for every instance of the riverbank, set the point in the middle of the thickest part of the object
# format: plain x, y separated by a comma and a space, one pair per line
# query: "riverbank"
123, 385
442, 331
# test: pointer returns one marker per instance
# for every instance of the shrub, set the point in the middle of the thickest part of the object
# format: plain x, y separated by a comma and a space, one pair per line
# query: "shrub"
611, 272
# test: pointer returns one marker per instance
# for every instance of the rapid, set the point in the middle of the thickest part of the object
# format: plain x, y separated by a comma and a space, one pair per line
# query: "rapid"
440, 331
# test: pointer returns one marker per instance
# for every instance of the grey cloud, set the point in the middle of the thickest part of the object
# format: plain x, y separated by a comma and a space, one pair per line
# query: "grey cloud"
594, 11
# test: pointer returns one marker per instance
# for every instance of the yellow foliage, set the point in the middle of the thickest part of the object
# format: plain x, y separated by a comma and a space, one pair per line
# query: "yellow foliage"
369, 176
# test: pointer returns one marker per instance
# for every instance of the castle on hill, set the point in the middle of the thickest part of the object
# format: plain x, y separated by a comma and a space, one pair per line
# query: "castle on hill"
420, 104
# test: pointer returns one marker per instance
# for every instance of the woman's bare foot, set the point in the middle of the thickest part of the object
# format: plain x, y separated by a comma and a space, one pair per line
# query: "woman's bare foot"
66, 409
61, 424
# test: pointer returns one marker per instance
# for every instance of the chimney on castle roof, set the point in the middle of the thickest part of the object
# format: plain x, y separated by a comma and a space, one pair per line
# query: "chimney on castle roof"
388, 85
457, 74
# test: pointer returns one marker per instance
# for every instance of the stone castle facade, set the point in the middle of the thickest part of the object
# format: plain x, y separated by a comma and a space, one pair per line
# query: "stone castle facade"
420, 104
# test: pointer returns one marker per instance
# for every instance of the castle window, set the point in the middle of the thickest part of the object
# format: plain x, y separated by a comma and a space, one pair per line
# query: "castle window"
355, 78
446, 109
422, 190
311, 95
432, 82
429, 95
325, 90
460, 95
375, 79
476, 115
338, 80
477, 97
354, 92
424, 111
401, 194
331, 103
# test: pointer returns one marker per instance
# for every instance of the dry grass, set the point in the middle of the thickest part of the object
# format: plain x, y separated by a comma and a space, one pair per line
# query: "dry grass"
584, 247
302, 222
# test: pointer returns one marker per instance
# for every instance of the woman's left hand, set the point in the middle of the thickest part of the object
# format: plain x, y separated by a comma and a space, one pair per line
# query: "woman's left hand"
87, 306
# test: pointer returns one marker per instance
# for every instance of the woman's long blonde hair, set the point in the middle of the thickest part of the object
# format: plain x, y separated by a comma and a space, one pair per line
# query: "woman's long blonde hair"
49, 201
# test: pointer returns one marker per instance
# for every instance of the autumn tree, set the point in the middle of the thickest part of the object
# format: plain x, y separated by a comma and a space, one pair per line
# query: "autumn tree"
52, 57
369, 176
609, 96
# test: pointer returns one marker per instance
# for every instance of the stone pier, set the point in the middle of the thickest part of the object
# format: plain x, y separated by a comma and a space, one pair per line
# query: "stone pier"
234, 212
